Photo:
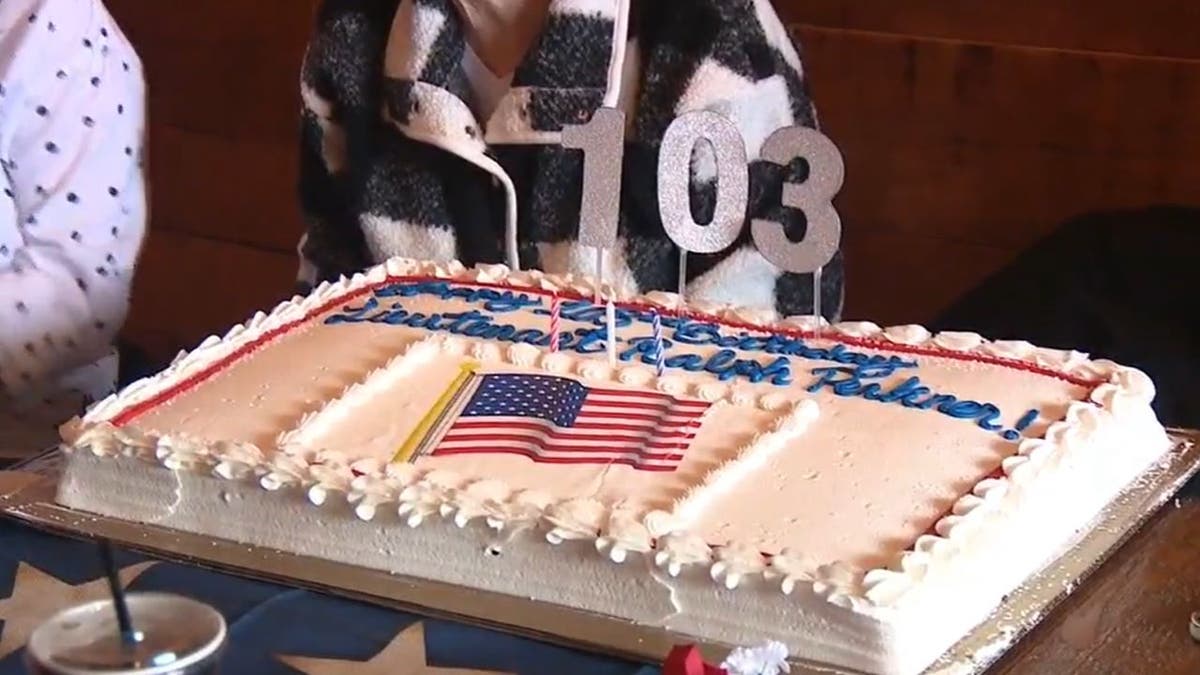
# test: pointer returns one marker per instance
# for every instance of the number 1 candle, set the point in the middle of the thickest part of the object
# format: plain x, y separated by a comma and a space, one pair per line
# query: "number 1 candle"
602, 141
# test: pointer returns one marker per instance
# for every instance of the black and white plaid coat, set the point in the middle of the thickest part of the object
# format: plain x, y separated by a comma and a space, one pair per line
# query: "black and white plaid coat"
395, 163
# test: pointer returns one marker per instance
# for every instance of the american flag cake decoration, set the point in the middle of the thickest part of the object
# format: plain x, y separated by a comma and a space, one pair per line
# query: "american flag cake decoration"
557, 420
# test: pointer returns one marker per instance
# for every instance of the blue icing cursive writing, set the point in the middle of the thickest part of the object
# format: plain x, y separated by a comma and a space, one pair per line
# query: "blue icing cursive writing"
858, 374
724, 363
849, 381
493, 300
473, 323
698, 333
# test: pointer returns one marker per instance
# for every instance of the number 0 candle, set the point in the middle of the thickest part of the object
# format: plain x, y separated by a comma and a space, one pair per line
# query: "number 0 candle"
674, 186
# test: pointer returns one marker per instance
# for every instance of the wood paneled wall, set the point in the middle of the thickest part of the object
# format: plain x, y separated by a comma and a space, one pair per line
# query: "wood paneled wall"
222, 78
969, 128
972, 128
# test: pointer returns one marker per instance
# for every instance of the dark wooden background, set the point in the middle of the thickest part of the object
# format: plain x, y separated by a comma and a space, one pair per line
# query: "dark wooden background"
970, 129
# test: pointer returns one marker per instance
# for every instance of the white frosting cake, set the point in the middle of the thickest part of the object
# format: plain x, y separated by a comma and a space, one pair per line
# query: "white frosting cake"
864, 495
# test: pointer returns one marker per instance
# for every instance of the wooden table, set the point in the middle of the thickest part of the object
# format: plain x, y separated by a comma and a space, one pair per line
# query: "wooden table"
1131, 616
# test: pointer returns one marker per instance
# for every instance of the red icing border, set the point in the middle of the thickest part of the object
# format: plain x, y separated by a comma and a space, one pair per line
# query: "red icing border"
133, 412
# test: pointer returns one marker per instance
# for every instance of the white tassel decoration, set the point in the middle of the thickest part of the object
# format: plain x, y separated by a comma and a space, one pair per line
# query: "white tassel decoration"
769, 659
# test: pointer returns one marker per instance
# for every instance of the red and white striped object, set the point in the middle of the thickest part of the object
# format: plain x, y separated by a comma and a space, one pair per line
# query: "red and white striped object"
562, 421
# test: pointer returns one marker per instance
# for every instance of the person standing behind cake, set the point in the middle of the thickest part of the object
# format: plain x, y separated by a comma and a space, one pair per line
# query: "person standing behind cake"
425, 120
73, 213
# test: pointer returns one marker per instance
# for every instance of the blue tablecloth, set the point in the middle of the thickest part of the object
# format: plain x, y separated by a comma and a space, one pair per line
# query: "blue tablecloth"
269, 624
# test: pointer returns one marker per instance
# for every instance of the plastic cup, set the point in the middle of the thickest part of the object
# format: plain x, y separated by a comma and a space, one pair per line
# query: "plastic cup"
178, 636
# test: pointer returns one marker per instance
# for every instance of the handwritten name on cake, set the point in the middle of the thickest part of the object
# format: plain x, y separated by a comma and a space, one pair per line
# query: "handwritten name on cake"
858, 374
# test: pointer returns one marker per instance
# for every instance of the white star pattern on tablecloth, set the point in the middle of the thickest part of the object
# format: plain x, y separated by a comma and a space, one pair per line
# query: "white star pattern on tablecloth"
37, 596
404, 655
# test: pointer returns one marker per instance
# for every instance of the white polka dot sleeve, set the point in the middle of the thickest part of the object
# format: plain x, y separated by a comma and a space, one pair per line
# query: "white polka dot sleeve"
72, 218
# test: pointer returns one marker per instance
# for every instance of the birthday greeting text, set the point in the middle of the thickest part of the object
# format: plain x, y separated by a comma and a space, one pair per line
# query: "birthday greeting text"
730, 356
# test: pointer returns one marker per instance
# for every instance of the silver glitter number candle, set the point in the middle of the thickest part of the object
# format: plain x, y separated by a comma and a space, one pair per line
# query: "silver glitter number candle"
674, 185
814, 197
602, 141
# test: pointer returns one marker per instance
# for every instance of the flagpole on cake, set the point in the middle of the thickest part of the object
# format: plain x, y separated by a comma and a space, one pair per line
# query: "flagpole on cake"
408, 451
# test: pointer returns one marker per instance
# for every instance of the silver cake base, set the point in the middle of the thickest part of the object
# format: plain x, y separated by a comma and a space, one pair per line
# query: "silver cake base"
28, 495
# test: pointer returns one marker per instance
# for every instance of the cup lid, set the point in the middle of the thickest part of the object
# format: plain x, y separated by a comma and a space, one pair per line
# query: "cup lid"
175, 632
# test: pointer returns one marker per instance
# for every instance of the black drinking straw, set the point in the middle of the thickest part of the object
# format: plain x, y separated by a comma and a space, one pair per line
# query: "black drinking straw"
128, 637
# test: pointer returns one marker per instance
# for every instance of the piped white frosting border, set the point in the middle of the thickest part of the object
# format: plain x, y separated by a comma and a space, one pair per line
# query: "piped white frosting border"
417, 495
